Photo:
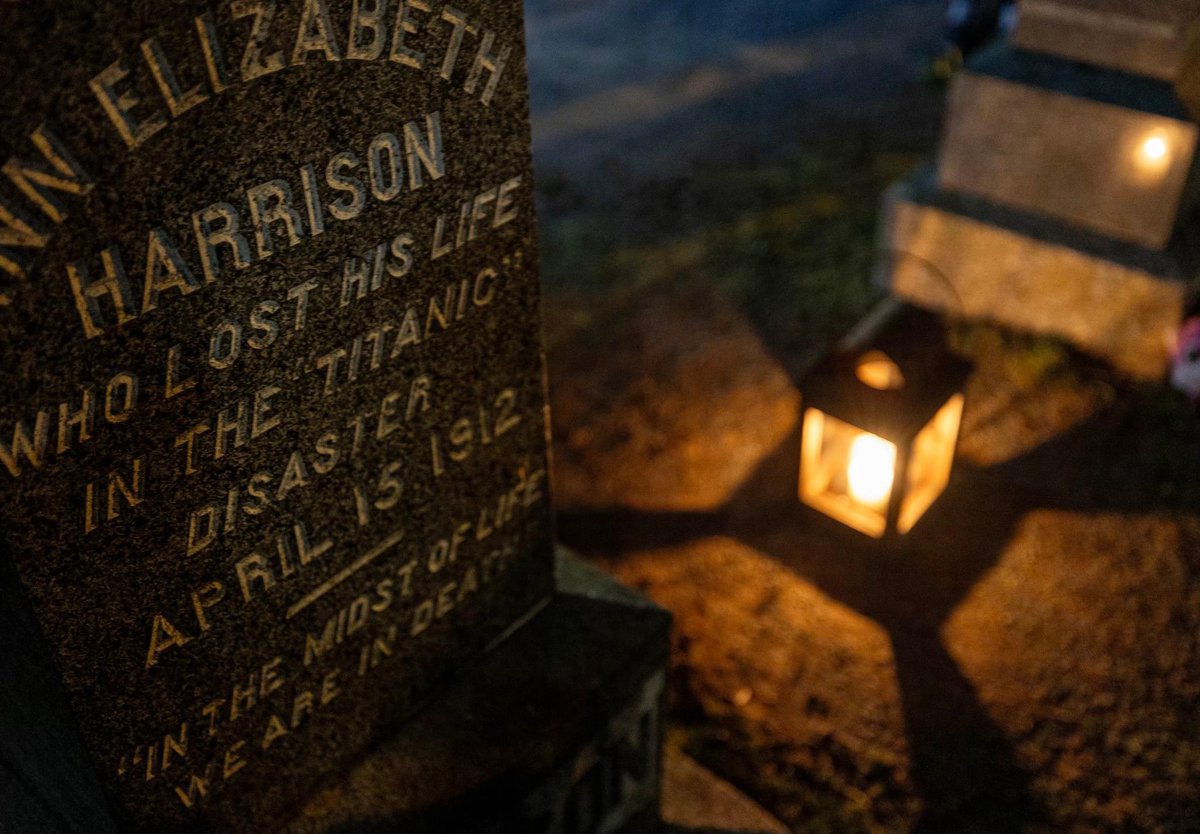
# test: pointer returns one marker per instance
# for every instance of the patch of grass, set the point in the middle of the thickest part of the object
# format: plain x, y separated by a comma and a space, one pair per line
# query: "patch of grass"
793, 245
1027, 360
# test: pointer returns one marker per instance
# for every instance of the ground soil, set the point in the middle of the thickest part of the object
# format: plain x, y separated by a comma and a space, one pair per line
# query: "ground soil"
1028, 659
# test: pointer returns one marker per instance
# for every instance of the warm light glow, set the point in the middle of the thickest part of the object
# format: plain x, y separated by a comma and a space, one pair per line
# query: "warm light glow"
877, 370
825, 462
930, 462
1154, 149
871, 470
1154, 154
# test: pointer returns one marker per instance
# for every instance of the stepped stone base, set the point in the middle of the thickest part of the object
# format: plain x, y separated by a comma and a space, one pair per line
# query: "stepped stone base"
557, 731
967, 257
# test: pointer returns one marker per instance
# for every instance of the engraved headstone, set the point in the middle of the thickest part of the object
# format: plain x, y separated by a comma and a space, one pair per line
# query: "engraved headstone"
272, 442
1154, 38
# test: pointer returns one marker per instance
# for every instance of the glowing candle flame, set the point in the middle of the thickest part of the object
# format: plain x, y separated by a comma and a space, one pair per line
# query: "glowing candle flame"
872, 469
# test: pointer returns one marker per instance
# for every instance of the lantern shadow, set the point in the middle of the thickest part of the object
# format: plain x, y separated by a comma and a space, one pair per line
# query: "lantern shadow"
962, 764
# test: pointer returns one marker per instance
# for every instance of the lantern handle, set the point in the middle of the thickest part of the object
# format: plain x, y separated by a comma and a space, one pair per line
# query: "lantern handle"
889, 255
870, 325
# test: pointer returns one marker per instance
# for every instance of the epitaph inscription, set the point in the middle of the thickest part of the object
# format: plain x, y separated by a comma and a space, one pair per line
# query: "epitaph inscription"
272, 444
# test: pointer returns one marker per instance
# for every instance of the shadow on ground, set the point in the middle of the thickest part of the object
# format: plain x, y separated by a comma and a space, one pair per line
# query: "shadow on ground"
1133, 458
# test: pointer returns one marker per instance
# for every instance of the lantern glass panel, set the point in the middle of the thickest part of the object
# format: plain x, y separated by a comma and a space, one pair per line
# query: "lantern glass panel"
846, 472
930, 462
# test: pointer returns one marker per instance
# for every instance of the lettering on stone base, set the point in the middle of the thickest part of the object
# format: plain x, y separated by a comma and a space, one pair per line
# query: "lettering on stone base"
610, 781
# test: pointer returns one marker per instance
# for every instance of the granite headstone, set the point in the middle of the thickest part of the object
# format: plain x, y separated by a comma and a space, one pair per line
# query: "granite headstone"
1063, 189
273, 441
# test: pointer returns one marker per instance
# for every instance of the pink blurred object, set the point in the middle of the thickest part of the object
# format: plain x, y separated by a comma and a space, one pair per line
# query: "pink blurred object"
1185, 364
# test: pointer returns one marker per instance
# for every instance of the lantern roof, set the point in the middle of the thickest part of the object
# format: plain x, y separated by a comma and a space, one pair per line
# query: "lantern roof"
890, 375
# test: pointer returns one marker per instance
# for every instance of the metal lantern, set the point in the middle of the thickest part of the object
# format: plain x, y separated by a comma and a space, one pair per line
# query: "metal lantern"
881, 423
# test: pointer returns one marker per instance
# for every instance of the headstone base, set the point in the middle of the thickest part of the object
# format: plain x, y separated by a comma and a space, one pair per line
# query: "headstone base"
965, 256
556, 731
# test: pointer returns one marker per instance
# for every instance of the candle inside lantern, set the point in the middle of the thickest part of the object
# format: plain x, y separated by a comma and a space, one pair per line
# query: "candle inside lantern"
871, 471
847, 473
881, 423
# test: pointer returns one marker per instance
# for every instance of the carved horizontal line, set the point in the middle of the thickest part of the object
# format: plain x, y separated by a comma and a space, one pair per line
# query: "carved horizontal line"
344, 574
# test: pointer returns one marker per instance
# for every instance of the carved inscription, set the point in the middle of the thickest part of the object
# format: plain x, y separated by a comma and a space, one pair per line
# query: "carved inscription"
273, 448
48, 182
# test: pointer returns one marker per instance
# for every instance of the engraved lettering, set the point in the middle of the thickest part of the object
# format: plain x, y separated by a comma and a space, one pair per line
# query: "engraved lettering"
118, 106
254, 65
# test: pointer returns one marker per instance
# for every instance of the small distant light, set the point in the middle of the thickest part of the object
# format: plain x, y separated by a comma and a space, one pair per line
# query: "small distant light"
1154, 149
1154, 154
